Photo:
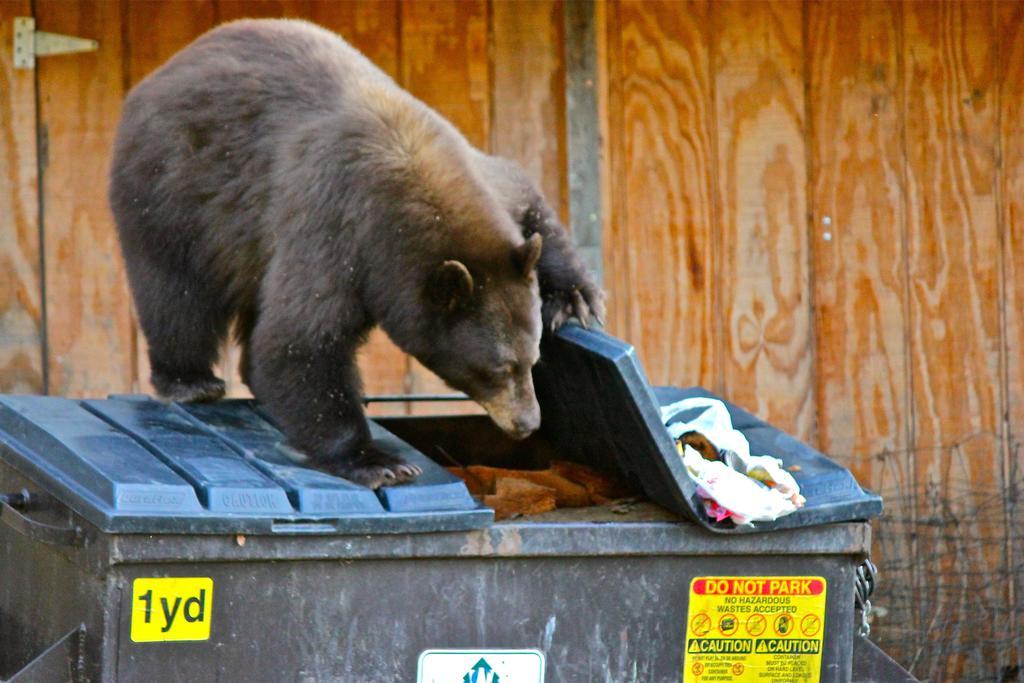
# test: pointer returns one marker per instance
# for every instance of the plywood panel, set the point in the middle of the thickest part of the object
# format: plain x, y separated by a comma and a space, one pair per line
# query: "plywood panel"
953, 248
1010, 64
157, 30
858, 225
21, 304
90, 330
529, 92
662, 278
859, 262
229, 10
444, 62
369, 25
764, 279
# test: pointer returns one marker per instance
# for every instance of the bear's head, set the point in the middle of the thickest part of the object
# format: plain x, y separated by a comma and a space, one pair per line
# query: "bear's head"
454, 280
488, 338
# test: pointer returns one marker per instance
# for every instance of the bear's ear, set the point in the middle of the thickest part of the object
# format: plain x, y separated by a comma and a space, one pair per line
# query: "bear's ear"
527, 254
452, 285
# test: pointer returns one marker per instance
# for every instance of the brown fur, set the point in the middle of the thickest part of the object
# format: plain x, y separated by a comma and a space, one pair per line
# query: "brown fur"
270, 176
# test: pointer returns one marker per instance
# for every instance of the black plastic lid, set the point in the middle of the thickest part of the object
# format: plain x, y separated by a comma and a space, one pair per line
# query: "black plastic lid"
135, 465
599, 409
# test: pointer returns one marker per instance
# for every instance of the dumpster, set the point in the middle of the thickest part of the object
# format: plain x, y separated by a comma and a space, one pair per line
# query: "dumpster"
147, 541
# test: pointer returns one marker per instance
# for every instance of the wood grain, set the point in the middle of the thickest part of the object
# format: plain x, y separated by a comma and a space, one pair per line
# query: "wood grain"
157, 30
661, 237
371, 26
229, 10
1010, 21
763, 277
858, 225
90, 330
444, 62
21, 302
528, 93
950, 119
859, 263
1010, 63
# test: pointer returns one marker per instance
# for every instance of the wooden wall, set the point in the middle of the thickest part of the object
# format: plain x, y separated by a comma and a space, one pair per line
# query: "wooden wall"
815, 208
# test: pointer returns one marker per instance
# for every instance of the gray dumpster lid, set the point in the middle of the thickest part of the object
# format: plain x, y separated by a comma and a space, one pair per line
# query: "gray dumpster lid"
132, 464
599, 409
135, 465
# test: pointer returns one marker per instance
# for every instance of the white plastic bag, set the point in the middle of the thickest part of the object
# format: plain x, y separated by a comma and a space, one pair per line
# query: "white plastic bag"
747, 488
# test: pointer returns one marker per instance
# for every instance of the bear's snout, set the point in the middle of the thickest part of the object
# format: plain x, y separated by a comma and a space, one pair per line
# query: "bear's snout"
518, 419
525, 424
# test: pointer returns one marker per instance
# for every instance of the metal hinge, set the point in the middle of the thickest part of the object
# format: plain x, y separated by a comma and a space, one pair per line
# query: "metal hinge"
30, 43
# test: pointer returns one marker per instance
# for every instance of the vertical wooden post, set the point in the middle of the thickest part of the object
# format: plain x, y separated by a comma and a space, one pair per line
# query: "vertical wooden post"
528, 99
583, 140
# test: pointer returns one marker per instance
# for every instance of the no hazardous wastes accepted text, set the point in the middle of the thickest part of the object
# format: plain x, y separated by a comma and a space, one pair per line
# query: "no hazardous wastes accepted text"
768, 629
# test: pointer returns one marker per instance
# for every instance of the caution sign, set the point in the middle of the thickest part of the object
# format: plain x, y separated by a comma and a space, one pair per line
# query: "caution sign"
763, 629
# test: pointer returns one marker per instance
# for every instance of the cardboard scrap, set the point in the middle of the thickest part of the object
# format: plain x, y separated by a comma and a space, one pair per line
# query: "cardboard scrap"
525, 492
600, 487
520, 497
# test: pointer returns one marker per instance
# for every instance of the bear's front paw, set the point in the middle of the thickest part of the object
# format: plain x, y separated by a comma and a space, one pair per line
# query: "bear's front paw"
585, 303
373, 468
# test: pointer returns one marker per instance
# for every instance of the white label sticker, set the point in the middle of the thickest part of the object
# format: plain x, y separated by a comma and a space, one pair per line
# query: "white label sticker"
481, 666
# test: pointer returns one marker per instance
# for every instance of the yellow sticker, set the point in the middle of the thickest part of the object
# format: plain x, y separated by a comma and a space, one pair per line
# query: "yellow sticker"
767, 629
171, 609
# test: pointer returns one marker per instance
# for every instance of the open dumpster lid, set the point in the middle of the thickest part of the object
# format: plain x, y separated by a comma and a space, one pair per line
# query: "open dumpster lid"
599, 409
135, 465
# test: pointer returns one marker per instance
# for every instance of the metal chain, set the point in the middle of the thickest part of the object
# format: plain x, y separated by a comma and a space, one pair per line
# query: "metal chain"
864, 586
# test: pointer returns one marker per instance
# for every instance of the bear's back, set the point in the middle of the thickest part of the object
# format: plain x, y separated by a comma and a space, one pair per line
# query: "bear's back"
261, 128
286, 67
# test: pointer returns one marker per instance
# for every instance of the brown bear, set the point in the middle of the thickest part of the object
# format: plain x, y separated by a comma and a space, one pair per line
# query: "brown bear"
270, 177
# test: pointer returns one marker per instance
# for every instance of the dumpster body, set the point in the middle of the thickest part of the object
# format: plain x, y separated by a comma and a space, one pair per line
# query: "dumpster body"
146, 541
602, 600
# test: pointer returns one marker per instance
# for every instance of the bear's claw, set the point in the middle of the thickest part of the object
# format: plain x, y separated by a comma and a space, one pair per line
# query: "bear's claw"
584, 303
374, 468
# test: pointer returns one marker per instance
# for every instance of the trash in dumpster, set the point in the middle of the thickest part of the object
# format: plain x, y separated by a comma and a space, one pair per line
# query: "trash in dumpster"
599, 409
732, 483
515, 492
